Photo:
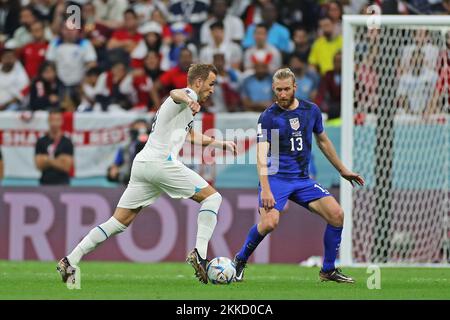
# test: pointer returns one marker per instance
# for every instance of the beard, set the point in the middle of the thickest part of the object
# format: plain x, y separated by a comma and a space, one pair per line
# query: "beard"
286, 103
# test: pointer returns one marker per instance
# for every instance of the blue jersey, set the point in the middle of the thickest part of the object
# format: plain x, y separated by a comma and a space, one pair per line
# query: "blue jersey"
289, 133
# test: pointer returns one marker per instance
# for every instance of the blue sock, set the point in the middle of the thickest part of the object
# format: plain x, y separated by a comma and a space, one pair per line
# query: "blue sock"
252, 241
331, 241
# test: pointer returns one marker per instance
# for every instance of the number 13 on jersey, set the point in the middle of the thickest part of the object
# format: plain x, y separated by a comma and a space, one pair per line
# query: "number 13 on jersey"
296, 144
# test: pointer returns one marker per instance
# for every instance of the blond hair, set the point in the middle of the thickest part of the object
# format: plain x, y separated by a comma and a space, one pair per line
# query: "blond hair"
284, 73
200, 70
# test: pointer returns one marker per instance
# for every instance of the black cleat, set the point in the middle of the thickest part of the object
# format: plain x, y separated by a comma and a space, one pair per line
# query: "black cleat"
199, 265
335, 275
239, 265
66, 271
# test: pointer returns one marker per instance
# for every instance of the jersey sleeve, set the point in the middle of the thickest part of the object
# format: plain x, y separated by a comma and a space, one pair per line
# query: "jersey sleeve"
264, 128
41, 147
67, 147
318, 124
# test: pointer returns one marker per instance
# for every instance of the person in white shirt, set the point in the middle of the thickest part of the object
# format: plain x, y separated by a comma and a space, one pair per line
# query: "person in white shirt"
13, 81
233, 26
72, 56
232, 51
110, 13
416, 85
157, 170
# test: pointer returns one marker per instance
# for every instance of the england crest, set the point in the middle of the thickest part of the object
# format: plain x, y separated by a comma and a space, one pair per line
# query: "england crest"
295, 123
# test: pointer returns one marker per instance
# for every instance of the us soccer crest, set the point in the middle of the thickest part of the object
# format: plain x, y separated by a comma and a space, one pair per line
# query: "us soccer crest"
295, 123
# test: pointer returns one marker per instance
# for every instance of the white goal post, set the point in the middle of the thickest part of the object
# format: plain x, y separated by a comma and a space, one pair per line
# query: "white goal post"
395, 132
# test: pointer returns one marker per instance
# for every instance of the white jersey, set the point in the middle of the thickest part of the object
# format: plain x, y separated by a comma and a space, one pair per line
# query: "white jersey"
169, 130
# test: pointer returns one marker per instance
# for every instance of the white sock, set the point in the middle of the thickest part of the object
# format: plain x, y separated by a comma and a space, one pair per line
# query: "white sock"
206, 222
94, 238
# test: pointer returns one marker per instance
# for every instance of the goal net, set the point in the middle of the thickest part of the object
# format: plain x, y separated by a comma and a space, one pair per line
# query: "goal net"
395, 113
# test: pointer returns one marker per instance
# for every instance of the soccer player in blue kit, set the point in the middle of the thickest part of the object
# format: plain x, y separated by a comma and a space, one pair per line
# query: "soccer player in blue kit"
283, 150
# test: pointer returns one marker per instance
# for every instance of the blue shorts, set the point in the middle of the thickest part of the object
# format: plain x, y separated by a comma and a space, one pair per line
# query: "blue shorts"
301, 191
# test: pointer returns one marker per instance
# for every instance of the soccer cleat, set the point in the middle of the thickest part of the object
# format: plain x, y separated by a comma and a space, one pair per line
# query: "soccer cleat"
66, 271
335, 275
239, 265
199, 265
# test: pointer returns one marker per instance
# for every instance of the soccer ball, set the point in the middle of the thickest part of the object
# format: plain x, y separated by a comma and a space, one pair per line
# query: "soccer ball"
221, 270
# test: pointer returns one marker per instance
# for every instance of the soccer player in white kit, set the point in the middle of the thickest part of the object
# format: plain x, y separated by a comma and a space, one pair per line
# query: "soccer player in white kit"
156, 170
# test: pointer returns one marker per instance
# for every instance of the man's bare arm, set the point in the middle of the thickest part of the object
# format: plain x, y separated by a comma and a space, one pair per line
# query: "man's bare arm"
63, 162
327, 148
199, 138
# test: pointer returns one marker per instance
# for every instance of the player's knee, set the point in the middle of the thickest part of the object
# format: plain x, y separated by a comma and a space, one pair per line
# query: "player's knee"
212, 202
270, 223
337, 217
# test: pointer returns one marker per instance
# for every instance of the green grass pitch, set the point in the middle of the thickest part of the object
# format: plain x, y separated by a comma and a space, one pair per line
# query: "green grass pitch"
110, 280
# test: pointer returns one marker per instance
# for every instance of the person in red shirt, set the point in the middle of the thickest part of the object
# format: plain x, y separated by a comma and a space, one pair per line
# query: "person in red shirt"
437, 103
127, 38
176, 77
33, 54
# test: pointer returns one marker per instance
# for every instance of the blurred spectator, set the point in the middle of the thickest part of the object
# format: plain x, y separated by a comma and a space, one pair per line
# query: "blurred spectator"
44, 9
329, 96
125, 40
45, 89
249, 10
226, 96
1, 166
147, 96
278, 35
325, 47
158, 17
232, 51
270, 54
176, 77
306, 88
152, 42
334, 12
353, 6
194, 12
114, 89
443, 84
416, 86
301, 43
180, 36
54, 153
33, 54
445, 7
256, 89
13, 81
152, 65
22, 35
9, 18
144, 9
294, 13
233, 26
422, 41
88, 90
97, 33
72, 55
110, 13
120, 170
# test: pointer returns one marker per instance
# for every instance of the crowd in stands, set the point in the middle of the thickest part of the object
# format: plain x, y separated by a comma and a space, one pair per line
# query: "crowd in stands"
127, 55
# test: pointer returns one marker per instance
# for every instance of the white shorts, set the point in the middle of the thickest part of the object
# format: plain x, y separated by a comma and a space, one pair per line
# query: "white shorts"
150, 178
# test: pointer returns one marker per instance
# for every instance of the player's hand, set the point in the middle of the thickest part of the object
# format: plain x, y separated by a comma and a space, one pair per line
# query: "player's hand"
230, 146
267, 199
194, 106
353, 177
